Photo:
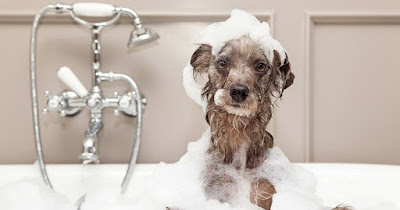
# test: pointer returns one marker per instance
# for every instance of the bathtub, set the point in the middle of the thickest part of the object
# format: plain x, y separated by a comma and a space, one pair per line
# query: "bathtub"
364, 186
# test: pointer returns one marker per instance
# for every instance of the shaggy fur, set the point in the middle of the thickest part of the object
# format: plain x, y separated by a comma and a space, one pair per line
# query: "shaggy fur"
238, 132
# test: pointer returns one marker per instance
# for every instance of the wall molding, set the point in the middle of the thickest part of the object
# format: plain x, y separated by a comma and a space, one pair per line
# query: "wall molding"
332, 17
146, 16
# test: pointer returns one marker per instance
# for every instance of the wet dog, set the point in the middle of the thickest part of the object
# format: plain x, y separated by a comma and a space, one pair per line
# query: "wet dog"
241, 88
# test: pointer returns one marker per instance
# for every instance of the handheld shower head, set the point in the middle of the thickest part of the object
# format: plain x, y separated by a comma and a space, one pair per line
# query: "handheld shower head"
141, 36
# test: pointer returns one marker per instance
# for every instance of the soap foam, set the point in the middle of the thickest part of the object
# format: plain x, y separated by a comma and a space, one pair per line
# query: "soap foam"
32, 194
178, 185
217, 96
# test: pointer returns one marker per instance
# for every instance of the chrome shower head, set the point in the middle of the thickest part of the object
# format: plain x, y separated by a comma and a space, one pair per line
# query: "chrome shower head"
141, 36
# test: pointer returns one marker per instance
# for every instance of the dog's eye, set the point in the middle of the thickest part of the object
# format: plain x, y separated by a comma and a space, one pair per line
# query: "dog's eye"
261, 67
222, 64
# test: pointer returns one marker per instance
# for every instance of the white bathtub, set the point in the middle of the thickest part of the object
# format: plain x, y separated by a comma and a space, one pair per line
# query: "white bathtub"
363, 186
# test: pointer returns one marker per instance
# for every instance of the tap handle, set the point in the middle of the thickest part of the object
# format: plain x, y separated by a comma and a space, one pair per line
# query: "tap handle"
70, 79
94, 9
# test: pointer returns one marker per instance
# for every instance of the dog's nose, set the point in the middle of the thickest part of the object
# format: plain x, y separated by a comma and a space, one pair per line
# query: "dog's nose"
239, 92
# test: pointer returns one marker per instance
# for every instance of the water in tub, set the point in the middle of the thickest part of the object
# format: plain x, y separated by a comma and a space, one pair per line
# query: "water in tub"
180, 185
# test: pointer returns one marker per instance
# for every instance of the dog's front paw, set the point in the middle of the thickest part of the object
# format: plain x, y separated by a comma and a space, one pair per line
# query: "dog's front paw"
261, 193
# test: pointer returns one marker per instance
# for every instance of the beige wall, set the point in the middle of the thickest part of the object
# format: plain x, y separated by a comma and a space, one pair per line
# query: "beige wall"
343, 106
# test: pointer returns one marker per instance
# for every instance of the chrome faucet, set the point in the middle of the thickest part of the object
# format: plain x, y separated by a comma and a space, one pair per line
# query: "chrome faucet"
69, 103
89, 151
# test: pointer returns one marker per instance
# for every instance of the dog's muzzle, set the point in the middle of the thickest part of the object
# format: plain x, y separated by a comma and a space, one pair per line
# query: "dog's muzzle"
239, 93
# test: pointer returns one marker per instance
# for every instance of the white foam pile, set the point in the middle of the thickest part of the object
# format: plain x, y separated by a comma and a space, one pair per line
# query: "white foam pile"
180, 185
32, 194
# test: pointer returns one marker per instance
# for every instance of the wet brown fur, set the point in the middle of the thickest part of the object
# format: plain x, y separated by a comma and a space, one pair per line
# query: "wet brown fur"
231, 130
238, 132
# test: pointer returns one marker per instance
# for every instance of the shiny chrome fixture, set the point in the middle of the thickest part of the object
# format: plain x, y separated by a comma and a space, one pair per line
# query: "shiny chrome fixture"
71, 102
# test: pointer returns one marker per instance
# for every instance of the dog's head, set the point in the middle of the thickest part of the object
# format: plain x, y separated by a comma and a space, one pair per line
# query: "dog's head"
241, 78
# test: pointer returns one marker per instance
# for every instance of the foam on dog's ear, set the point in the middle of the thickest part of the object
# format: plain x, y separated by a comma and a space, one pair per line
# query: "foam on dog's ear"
192, 88
197, 66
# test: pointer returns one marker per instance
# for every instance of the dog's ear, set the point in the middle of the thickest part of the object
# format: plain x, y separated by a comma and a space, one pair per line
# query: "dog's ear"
285, 70
287, 73
201, 59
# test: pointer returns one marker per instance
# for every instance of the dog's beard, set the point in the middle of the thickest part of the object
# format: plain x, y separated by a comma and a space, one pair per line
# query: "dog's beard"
247, 108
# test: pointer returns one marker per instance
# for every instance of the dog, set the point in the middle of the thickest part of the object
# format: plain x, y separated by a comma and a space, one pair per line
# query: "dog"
239, 93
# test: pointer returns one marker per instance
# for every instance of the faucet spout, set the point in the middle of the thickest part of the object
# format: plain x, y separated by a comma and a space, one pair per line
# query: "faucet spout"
90, 143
